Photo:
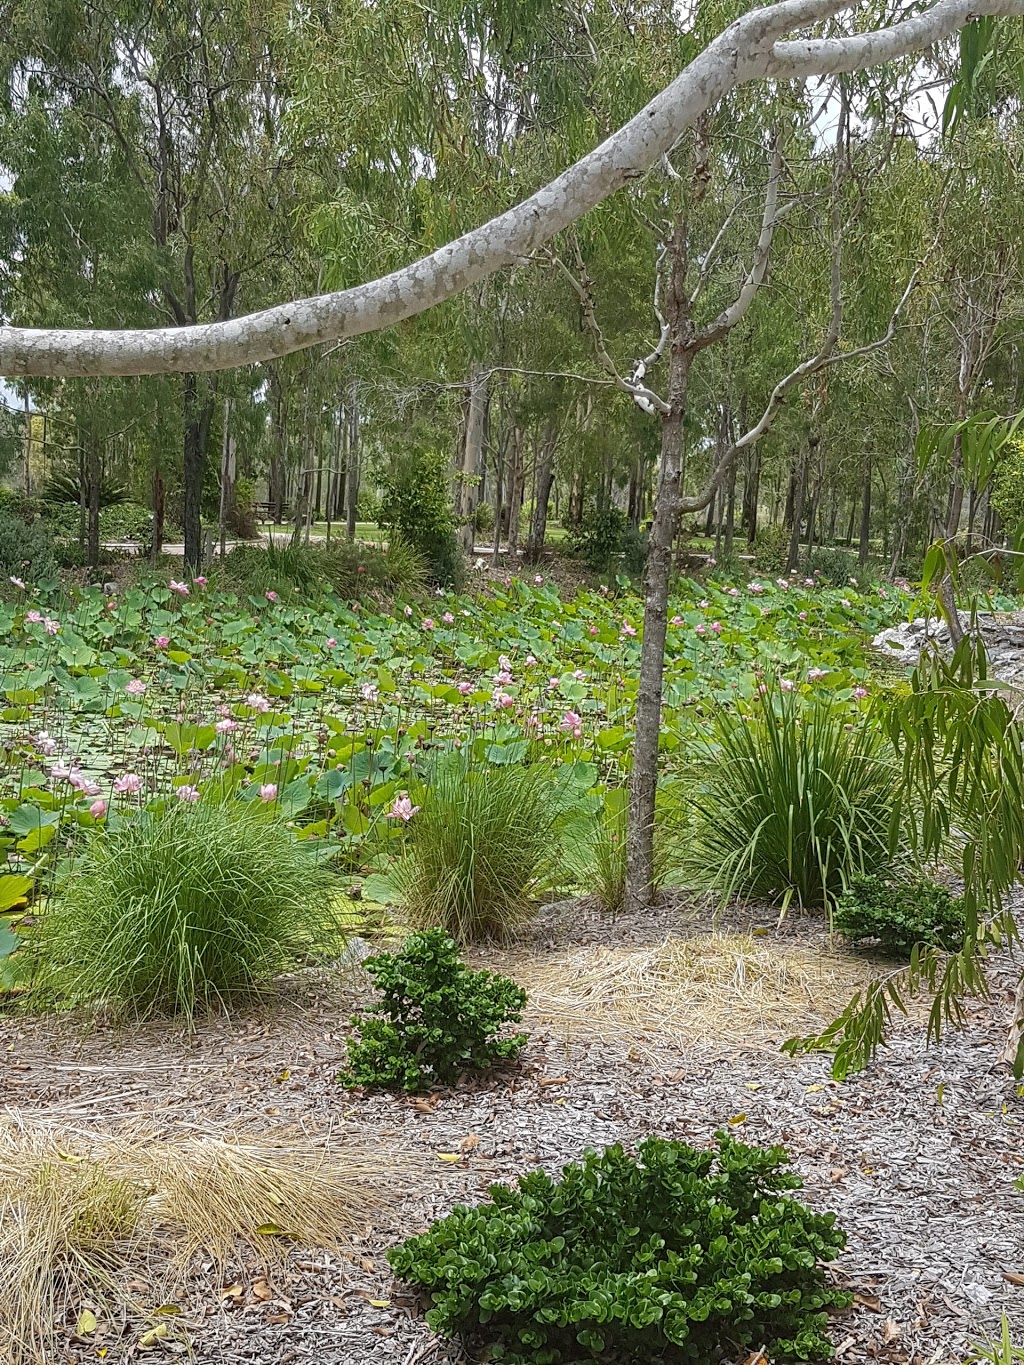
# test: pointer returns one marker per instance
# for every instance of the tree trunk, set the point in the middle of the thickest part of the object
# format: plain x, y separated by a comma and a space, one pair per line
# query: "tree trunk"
472, 457
545, 475
751, 494
865, 516
352, 470
158, 514
515, 496
730, 511
198, 413
95, 476
640, 876
796, 511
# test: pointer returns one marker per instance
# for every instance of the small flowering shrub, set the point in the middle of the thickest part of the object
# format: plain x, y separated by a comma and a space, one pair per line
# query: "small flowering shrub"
485, 844
900, 914
182, 911
677, 1256
792, 799
435, 1018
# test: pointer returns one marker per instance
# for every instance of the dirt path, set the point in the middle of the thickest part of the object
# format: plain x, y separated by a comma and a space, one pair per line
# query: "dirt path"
918, 1156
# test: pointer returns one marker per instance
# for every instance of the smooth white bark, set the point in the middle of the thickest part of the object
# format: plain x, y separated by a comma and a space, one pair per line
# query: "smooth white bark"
752, 48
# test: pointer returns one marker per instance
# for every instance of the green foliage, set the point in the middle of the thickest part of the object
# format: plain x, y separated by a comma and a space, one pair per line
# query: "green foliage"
792, 800
416, 504
900, 914
997, 1351
676, 1256
182, 911
834, 565
26, 551
1006, 489
61, 488
435, 1019
352, 568
483, 846
607, 533
771, 548
598, 863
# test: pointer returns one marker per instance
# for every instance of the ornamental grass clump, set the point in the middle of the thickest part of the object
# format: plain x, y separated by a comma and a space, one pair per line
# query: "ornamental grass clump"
486, 843
792, 799
182, 911
675, 1257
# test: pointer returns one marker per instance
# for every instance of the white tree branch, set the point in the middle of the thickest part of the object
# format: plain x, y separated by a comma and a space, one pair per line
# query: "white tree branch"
750, 49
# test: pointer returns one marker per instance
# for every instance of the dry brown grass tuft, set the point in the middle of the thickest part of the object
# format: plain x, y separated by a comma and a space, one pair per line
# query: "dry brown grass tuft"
89, 1218
723, 989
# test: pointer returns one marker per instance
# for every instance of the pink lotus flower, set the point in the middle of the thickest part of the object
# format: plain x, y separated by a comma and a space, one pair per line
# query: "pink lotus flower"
716, 626
465, 688
35, 618
44, 743
369, 691
60, 772
84, 784
860, 693
802, 615
808, 582
407, 611
18, 582
188, 793
135, 687
508, 581
593, 630
181, 589
503, 677
579, 674
331, 642
270, 595
50, 626
762, 688
402, 808
676, 621
538, 579
225, 726
200, 582
529, 661
428, 623
258, 703
98, 809
128, 783
787, 684
268, 792
572, 722
448, 619
816, 674
782, 582
502, 700
884, 595
703, 604
755, 587
734, 592
162, 641
701, 629
844, 601
852, 582
627, 629
552, 684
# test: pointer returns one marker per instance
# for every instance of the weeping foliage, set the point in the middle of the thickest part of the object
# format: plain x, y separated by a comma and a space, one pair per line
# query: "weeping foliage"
791, 800
486, 843
961, 787
183, 911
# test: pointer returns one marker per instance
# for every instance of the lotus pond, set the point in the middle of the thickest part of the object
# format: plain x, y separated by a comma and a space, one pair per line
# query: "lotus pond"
333, 711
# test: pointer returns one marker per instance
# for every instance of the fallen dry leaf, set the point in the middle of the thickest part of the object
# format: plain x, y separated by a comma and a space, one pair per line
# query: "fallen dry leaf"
261, 1290
891, 1331
469, 1142
1012, 1277
867, 1300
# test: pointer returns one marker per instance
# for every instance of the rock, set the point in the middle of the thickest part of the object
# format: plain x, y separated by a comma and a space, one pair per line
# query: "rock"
1003, 637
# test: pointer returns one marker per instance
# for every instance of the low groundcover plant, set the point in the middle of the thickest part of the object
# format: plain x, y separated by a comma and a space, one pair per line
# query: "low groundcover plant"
676, 1255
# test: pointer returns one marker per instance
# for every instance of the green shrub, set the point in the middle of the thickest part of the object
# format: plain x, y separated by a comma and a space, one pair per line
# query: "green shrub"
607, 533
484, 845
183, 910
771, 549
351, 568
678, 1256
900, 914
435, 1019
67, 488
416, 505
26, 551
835, 566
792, 800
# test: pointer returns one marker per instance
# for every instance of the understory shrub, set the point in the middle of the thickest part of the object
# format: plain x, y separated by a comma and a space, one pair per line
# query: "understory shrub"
26, 551
435, 1019
606, 533
792, 800
351, 568
183, 910
771, 548
486, 842
900, 914
416, 505
679, 1255
834, 565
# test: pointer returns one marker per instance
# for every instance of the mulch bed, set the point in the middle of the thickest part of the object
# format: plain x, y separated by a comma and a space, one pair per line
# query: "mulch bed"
918, 1155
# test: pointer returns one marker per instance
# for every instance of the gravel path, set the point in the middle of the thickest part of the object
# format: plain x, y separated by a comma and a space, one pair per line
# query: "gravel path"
918, 1156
